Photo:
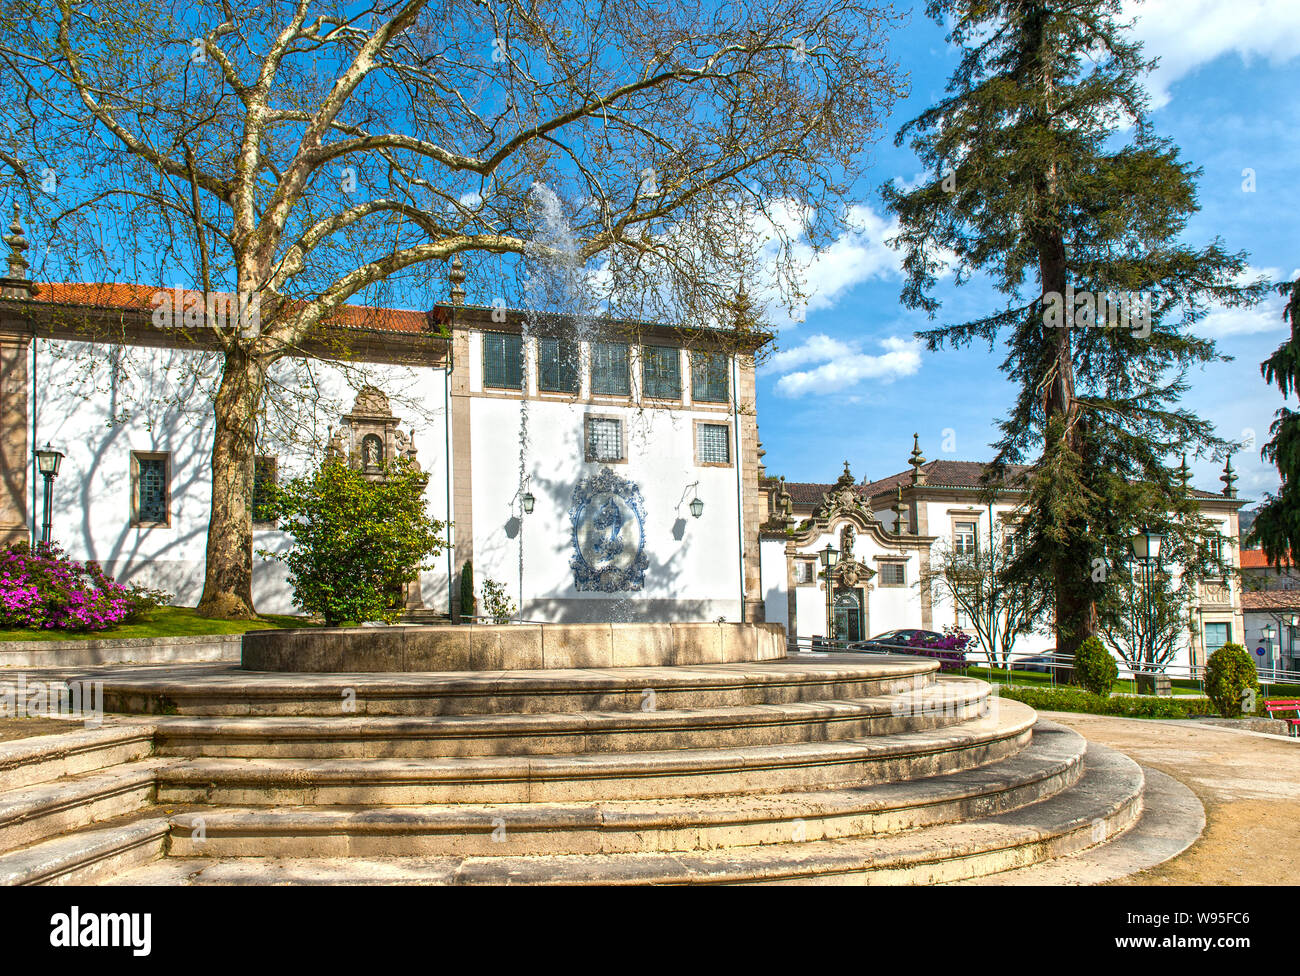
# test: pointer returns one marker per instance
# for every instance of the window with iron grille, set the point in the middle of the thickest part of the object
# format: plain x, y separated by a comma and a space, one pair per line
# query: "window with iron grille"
150, 484
661, 372
557, 365
604, 439
709, 377
712, 445
265, 471
502, 361
893, 574
804, 572
609, 372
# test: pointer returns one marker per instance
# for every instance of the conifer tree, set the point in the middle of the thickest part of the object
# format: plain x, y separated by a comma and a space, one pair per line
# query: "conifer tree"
1048, 180
1277, 525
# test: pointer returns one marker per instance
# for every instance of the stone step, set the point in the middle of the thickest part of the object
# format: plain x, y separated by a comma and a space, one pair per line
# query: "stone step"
41, 758
384, 736
34, 813
1105, 801
1051, 763
227, 691
87, 856
644, 775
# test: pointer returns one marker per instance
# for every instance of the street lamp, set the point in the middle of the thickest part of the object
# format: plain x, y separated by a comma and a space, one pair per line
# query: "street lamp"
528, 501
830, 556
1269, 632
697, 507
1146, 549
47, 463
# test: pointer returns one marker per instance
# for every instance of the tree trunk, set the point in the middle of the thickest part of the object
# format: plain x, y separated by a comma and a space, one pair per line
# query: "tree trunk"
228, 582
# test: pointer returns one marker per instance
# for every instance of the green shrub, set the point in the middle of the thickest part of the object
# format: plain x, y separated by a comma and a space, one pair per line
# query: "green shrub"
1122, 706
1094, 667
1231, 682
496, 602
467, 601
357, 541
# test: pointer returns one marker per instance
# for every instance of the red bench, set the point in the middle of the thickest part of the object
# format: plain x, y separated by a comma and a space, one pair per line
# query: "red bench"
1286, 705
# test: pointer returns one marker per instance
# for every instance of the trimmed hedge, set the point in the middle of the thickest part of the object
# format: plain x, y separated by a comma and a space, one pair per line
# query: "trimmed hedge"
1123, 706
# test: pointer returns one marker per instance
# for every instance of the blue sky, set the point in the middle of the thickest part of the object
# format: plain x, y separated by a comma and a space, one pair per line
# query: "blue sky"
848, 382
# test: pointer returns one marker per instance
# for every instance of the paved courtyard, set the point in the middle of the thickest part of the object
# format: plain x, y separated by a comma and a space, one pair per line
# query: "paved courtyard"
1249, 784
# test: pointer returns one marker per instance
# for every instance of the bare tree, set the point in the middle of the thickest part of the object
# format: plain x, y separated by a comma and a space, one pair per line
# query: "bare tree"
1000, 607
307, 155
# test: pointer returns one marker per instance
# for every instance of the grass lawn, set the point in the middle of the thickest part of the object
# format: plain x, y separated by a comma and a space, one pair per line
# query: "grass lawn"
166, 622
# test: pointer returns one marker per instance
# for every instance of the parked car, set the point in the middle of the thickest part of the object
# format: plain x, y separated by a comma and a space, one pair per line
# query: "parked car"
894, 641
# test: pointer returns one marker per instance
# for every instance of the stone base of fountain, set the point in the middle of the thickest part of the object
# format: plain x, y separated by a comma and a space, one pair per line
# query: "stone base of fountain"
509, 647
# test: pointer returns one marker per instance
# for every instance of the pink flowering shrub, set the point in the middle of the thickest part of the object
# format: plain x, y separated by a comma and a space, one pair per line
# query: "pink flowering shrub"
949, 649
45, 590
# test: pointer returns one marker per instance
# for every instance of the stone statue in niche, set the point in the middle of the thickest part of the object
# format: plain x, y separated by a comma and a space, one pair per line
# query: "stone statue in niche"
372, 432
847, 536
372, 452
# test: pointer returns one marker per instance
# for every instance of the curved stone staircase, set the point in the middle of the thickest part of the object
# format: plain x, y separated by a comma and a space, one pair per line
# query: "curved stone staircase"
843, 769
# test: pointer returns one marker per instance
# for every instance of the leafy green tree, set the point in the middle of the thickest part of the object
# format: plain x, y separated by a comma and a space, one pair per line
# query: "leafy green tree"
357, 539
1047, 179
1277, 526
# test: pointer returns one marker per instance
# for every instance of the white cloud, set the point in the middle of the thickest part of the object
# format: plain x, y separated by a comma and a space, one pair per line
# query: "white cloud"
1186, 34
1264, 317
843, 364
857, 255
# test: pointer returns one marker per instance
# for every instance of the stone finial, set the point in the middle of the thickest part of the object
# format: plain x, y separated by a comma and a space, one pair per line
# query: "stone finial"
457, 278
917, 459
16, 284
762, 468
1229, 479
1184, 474
900, 511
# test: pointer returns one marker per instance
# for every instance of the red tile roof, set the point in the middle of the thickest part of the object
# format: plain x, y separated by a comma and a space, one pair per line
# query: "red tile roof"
1255, 559
118, 295
1271, 600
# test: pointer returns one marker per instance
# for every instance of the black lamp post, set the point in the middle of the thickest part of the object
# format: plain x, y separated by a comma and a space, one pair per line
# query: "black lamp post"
830, 556
1146, 549
47, 463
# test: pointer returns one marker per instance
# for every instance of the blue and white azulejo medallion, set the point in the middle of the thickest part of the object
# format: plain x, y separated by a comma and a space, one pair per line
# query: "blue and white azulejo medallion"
608, 517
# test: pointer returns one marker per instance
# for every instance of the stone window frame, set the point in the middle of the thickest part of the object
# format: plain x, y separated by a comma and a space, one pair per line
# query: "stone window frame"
699, 363
563, 344
274, 463
136, 458
645, 386
883, 563
961, 518
811, 563
696, 423
487, 335
628, 369
586, 437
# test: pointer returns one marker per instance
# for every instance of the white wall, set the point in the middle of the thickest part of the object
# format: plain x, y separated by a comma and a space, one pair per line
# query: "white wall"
694, 564
99, 402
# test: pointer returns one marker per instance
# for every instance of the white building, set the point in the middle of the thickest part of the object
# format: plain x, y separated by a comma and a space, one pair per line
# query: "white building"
613, 432
895, 524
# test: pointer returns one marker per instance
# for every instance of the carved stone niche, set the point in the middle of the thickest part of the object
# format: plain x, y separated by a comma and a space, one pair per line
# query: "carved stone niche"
370, 436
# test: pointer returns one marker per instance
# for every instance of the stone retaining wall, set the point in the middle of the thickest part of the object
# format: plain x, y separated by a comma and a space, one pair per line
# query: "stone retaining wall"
492, 647
128, 650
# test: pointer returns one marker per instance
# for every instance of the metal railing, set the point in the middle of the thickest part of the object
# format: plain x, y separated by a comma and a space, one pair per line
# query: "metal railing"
1050, 664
